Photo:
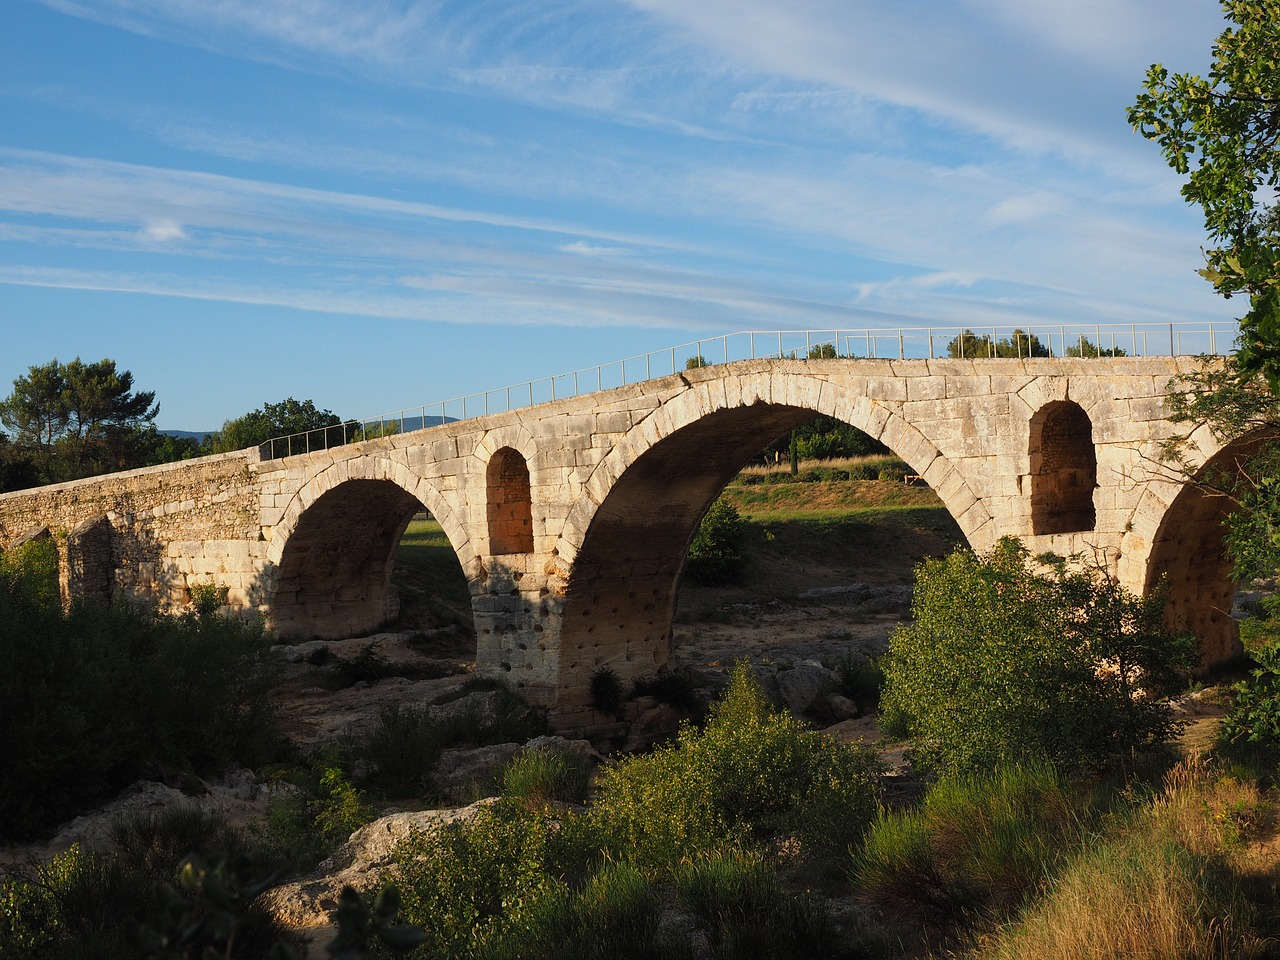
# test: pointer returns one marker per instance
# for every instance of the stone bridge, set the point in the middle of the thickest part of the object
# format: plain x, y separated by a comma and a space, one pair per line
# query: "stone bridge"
571, 519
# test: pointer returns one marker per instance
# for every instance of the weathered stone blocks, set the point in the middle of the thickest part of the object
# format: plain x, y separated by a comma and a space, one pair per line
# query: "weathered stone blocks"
966, 425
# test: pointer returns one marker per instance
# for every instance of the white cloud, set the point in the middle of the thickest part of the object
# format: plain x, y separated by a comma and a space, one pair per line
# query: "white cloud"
164, 230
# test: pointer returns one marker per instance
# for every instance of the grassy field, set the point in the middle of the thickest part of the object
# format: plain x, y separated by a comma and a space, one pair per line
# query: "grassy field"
433, 590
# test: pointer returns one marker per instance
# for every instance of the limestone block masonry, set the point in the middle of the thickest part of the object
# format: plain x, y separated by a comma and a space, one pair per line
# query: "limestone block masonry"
571, 519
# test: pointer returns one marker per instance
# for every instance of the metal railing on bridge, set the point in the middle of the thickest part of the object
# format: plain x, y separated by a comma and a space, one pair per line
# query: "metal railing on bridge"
1134, 340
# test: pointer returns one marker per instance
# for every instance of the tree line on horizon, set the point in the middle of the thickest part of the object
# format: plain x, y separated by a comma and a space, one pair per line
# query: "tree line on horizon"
68, 421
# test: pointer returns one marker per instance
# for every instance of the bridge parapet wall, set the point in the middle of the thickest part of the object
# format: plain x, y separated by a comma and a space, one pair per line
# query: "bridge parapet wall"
158, 529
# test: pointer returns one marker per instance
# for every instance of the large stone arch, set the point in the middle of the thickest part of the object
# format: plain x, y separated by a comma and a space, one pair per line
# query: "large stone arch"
1186, 550
625, 541
330, 559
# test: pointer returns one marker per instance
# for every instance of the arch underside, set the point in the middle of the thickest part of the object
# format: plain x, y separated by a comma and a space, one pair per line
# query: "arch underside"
621, 596
334, 576
1188, 554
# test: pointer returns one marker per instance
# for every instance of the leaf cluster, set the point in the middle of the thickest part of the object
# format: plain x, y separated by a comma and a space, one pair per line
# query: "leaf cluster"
753, 772
1221, 132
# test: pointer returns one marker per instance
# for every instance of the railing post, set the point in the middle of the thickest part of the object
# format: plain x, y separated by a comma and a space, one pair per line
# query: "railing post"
930, 343
1171, 352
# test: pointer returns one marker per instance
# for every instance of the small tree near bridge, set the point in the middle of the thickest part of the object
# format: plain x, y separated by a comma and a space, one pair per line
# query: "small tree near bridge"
1010, 660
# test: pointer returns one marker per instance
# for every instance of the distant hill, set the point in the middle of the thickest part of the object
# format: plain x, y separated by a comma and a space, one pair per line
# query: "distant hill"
410, 423
184, 434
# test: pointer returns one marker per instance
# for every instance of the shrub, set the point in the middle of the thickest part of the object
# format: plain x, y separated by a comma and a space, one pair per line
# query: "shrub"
367, 666
1253, 724
96, 696
860, 679
1006, 663
402, 748
672, 687
893, 473
715, 555
309, 819
476, 883
752, 774
84, 904
606, 691
615, 914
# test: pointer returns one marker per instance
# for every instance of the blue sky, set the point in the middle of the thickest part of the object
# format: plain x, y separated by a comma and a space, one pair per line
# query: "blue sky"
380, 204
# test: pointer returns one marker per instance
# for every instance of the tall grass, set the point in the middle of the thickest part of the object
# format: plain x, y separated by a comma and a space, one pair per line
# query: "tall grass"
977, 846
1170, 881
541, 776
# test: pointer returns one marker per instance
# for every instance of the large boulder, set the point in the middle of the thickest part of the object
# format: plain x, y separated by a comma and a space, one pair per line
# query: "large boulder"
803, 684
310, 901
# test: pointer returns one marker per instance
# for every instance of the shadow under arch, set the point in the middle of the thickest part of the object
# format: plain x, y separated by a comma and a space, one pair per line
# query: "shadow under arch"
1187, 551
620, 592
329, 571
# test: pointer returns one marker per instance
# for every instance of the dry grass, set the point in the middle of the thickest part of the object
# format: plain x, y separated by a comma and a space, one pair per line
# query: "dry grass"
1174, 882
876, 460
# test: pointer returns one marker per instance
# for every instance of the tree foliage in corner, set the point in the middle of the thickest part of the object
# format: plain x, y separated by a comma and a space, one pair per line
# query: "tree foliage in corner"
76, 419
1221, 132
1006, 662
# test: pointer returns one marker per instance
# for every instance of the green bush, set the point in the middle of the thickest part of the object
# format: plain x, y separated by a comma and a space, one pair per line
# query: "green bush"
310, 818
615, 914
402, 748
861, 680
1253, 724
753, 773
715, 555
479, 882
606, 691
96, 696
91, 905
1007, 663
674, 687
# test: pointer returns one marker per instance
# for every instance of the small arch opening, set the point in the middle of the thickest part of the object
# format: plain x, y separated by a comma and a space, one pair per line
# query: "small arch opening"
510, 505
1064, 469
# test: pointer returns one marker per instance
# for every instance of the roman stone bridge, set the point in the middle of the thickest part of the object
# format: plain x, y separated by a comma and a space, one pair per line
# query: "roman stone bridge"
571, 519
